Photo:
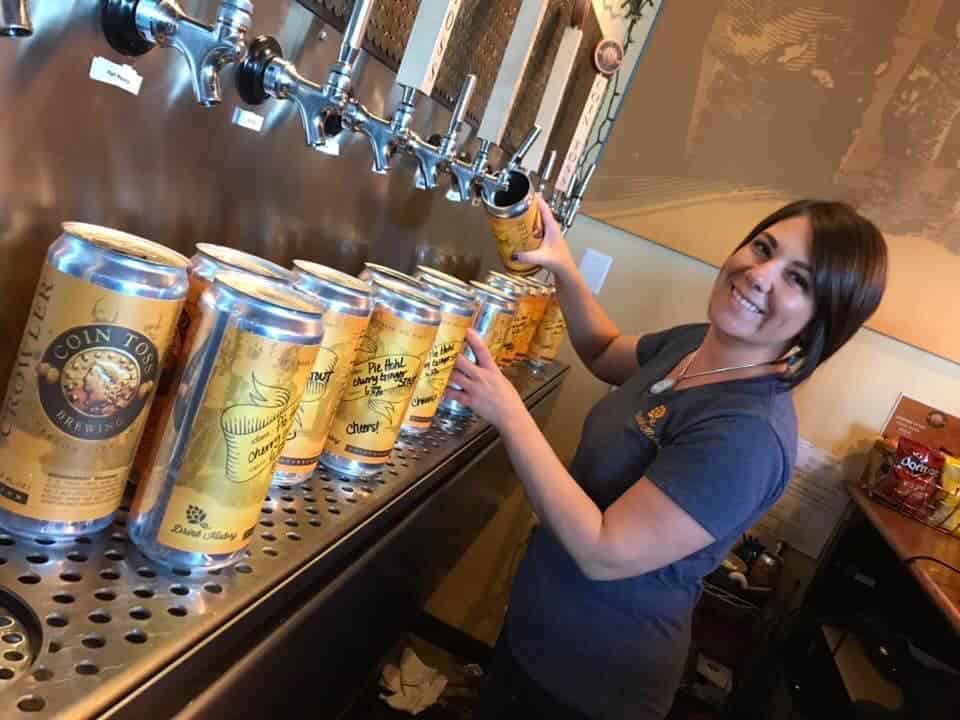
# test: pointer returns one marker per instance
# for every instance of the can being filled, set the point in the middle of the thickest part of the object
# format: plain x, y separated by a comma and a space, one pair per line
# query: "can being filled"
540, 297
103, 317
346, 311
458, 308
208, 262
515, 220
388, 364
373, 271
251, 353
495, 310
549, 336
524, 297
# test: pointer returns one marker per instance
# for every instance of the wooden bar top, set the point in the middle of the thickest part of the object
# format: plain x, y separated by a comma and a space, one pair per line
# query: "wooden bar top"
911, 539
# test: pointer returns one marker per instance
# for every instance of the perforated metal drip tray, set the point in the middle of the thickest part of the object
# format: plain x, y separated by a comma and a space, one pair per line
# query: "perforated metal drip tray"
86, 623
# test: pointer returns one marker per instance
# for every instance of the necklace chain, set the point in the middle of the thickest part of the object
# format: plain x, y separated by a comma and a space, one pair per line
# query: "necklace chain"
669, 383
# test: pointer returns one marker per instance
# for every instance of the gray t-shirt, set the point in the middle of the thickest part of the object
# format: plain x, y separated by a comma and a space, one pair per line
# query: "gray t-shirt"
723, 452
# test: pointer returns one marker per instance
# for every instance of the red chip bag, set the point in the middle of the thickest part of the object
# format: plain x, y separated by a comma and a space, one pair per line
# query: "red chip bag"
913, 480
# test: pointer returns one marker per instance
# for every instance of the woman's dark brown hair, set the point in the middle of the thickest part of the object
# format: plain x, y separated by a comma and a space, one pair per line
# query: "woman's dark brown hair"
849, 257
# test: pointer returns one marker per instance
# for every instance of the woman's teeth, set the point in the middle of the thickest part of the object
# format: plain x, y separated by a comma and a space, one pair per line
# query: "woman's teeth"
739, 297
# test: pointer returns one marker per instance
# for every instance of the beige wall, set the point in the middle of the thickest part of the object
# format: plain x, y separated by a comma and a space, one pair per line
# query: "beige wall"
841, 408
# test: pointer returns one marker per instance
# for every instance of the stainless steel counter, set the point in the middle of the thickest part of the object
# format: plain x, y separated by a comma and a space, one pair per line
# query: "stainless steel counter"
96, 630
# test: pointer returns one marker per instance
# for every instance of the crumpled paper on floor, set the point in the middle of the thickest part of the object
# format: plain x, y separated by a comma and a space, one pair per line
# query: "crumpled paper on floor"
413, 686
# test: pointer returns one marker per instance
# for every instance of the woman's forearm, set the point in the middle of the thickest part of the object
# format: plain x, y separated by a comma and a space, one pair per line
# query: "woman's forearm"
590, 328
558, 500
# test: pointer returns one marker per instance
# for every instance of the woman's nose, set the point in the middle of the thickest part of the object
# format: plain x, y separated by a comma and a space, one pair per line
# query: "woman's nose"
761, 277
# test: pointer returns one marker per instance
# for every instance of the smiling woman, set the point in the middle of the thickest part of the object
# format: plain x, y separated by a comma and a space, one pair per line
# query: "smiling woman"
695, 446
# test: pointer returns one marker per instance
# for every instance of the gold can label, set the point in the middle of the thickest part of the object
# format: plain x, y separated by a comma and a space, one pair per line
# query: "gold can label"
385, 373
518, 234
170, 374
518, 326
545, 345
536, 309
85, 374
249, 403
342, 333
497, 334
428, 393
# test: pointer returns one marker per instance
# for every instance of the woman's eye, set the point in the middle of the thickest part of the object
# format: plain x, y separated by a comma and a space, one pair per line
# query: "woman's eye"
799, 280
762, 247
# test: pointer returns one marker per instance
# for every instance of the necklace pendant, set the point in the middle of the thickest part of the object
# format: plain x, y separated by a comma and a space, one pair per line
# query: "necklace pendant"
662, 386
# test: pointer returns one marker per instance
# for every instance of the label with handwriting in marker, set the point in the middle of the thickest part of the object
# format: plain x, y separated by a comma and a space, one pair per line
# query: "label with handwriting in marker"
124, 77
246, 119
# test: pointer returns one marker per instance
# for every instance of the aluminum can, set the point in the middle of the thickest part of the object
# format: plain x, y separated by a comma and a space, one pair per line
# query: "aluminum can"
525, 298
252, 350
458, 308
373, 271
549, 336
103, 317
391, 356
425, 271
537, 307
208, 262
514, 217
492, 322
346, 312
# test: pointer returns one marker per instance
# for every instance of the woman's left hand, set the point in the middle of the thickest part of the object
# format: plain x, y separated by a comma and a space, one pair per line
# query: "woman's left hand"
485, 389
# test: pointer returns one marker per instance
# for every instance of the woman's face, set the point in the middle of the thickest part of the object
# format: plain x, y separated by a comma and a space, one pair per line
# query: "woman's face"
764, 293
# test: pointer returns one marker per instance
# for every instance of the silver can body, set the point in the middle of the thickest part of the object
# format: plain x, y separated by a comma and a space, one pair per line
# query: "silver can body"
494, 317
97, 283
393, 352
255, 344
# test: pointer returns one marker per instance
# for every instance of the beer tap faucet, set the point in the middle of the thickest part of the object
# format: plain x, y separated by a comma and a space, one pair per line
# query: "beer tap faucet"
133, 27
486, 182
576, 198
15, 18
265, 73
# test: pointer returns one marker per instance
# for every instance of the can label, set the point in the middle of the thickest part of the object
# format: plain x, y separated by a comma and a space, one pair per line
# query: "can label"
342, 333
497, 333
170, 374
515, 335
518, 234
386, 370
450, 340
236, 437
549, 337
78, 397
536, 307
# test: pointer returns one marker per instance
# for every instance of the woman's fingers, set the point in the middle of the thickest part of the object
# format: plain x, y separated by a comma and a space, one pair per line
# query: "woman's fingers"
480, 349
459, 396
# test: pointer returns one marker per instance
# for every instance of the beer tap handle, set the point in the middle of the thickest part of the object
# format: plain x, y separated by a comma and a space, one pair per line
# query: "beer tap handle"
547, 171
448, 146
354, 33
524, 148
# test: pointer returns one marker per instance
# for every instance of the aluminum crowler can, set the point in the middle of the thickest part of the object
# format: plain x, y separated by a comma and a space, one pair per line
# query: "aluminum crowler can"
209, 261
391, 356
515, 220
252, 351
103, 317
492, 322
346, 304
537, 307
549, 336
523, 295
373, 271
458, 309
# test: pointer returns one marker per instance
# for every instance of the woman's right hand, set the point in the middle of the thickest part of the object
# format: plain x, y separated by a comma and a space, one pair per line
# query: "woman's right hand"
553, 253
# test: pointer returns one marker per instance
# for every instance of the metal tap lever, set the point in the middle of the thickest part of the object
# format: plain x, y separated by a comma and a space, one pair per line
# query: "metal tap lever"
522, 151
15, 18
547, 171
576, 198
264, 74
448, 145
133, 27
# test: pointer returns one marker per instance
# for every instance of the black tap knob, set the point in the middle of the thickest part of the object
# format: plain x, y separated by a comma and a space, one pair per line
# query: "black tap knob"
262, 51
119, 21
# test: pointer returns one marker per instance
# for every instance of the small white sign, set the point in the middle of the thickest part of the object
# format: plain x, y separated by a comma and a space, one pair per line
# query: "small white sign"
594, 267
124, 77
247, 119
580, 136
